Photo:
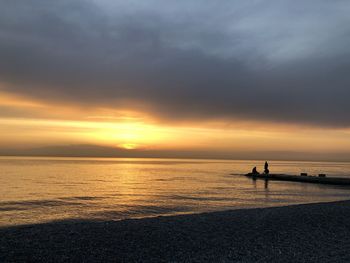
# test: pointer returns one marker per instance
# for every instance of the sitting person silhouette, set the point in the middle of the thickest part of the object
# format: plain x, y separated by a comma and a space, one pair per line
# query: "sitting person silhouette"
266, 168
254, 171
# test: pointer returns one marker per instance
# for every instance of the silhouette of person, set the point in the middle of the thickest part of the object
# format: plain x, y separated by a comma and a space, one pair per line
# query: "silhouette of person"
254, 171
266, 168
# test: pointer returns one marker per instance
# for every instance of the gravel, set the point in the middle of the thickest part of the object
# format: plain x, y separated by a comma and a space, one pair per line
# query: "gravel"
300, 233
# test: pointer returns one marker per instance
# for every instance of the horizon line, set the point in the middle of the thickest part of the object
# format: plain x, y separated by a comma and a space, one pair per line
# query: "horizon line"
177, 157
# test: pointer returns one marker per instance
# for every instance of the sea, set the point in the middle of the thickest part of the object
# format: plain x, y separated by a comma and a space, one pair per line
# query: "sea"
37, 190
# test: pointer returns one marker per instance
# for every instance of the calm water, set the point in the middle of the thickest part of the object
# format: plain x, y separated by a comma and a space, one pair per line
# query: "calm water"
43, 189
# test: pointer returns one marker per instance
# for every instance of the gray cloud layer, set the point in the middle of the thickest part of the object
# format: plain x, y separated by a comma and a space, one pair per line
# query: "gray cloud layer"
268, 60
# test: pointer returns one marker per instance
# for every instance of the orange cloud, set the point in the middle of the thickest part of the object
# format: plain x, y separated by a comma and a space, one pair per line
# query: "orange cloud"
57, 124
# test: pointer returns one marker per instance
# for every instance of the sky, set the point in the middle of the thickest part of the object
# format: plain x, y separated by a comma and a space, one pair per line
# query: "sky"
224, 77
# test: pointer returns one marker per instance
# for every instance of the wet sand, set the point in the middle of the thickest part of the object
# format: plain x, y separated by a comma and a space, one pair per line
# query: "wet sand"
301, 233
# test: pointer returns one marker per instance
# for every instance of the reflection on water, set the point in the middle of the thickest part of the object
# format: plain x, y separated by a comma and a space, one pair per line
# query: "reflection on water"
41, 189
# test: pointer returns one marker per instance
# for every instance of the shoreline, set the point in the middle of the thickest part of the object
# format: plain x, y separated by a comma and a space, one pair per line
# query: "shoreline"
318, 232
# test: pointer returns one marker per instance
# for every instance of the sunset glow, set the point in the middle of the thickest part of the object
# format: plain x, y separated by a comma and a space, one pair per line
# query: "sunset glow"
174, 131
139, 131
248, 83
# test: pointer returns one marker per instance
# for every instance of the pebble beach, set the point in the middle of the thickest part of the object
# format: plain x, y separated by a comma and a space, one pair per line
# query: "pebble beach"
299, 233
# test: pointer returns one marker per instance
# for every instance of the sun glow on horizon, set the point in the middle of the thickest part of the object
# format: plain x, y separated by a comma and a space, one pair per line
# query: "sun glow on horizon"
129, 146
132, 135
38, 124
128, 135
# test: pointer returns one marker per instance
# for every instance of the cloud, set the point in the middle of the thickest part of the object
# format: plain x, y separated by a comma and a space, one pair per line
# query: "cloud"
266, 60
